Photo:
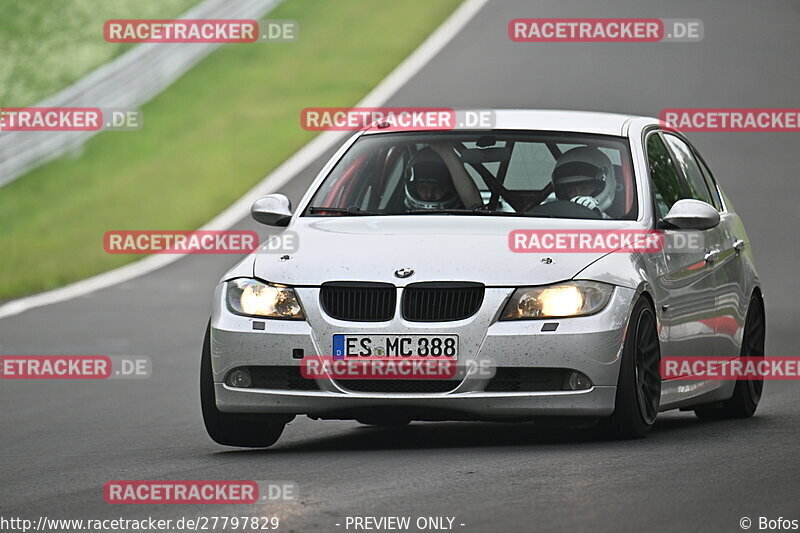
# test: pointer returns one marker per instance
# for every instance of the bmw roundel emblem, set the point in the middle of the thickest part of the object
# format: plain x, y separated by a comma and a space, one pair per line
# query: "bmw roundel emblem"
403, 273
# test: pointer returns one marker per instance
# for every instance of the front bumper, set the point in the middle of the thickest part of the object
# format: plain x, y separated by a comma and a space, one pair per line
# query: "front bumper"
591, 345
597, 401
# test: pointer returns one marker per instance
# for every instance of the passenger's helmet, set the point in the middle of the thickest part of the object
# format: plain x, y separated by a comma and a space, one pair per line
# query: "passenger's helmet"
429, 184
585, 166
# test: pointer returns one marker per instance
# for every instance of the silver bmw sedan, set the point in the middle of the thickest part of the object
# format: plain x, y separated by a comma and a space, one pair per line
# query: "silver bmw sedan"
544, 266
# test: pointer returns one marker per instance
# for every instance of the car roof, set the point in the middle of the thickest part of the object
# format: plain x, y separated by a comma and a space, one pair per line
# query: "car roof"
552, 120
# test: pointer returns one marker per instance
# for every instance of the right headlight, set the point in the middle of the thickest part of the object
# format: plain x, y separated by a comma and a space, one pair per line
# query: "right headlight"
572, 298
251, 297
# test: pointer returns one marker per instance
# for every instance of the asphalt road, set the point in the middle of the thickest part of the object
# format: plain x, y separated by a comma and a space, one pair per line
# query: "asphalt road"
61, 441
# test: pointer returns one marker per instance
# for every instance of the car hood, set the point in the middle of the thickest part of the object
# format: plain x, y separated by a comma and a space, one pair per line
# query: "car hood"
436, 248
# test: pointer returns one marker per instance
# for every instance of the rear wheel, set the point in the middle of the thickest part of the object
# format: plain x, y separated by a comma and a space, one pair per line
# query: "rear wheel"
234, 429
639, 385
747, 392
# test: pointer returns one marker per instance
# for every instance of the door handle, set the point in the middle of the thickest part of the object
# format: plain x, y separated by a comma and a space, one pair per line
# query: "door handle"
738, 245
712, 256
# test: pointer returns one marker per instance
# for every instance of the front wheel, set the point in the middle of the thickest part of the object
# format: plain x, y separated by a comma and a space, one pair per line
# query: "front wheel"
639, 385
234, 429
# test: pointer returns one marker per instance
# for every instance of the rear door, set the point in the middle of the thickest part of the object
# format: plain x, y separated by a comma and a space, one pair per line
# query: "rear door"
731, 271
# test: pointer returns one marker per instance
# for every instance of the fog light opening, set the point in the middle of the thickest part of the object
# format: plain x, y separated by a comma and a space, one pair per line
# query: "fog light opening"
577, 381
240, 378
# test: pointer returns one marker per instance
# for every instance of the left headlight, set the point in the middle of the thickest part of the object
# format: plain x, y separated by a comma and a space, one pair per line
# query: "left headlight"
255, 298
572, 298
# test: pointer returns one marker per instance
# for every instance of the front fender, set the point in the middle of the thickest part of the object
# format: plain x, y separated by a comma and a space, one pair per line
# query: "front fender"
633, 270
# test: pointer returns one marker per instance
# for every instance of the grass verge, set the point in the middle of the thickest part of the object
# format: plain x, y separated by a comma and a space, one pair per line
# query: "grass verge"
46, 45
206, 140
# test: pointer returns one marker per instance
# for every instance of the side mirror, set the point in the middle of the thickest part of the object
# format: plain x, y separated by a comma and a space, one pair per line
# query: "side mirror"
272, 210
692, 214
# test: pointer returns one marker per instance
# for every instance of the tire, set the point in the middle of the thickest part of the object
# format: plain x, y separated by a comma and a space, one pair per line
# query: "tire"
234, 429
639, 385
747, 392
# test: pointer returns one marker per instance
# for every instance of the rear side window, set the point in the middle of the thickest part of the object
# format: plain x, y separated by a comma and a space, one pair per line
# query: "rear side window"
690, 168
666, 180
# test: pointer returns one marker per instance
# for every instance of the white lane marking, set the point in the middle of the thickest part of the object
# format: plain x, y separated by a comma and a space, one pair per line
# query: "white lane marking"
275, 180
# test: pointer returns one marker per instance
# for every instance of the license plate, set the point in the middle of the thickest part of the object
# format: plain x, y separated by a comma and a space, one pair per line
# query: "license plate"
444, 346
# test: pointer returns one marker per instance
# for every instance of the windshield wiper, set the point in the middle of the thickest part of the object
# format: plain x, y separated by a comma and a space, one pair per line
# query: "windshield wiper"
357, 211
445, 212
477, 211
352, 210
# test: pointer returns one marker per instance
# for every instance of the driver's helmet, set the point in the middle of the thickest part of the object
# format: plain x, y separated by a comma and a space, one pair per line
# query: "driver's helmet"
585, 171
428, 183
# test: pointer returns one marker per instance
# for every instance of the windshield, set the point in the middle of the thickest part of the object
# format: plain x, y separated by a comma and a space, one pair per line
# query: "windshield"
502, 173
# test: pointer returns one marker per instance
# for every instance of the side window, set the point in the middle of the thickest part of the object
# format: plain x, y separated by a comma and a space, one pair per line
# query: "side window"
690, 168
666, 180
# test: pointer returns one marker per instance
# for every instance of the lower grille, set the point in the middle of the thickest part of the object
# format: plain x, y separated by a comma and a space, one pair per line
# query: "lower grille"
356, 301
441, 301
399, 386
281, 378
513, 379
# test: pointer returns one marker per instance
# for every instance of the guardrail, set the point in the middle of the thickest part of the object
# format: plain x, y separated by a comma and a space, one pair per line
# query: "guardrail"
130, 80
